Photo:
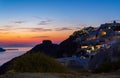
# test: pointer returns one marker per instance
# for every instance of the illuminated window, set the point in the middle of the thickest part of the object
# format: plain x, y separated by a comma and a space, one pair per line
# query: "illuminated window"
104, 33
109, 27
98, 46
89, 51
119, 31
84, 46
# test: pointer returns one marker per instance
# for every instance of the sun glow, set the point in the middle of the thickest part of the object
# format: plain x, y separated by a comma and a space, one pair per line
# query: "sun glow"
26, 36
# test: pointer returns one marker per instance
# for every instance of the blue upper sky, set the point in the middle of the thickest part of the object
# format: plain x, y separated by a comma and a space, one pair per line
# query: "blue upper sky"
64, 12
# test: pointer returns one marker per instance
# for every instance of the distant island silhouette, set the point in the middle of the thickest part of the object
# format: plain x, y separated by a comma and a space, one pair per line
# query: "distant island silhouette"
2, 50
11, 49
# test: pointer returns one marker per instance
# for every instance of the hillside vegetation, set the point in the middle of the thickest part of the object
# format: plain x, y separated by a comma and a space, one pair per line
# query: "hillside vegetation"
36, 62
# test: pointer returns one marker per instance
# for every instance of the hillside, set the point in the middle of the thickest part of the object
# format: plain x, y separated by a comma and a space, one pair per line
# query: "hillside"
65, 48
82, 42
46, 47
36, 62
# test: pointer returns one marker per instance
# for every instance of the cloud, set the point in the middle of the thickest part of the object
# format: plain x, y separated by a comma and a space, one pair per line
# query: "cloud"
39, 29
8, 26
46, 22
79, 27
37, 17
42, 20
41, 37
18, 22
4, 29
63, 29
4, 32
36, 29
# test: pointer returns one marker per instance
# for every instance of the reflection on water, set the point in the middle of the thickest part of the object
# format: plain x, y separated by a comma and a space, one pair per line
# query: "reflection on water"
9, 54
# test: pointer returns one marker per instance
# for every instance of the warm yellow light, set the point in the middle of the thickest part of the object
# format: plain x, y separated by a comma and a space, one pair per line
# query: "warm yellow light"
119, 31
89, 51
98, 46
84, 47
104, 33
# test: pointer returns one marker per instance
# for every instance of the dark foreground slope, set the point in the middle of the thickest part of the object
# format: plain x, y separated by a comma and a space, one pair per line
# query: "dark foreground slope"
32, 63
46, 47
62, 75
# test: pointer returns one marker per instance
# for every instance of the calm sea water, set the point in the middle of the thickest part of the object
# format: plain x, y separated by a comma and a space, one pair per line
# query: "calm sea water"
10, 54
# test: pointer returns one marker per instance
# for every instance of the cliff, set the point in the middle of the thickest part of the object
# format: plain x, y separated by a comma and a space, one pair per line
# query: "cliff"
105, 56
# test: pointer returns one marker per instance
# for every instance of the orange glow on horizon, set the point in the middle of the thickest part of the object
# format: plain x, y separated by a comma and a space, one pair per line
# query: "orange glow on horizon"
34, 37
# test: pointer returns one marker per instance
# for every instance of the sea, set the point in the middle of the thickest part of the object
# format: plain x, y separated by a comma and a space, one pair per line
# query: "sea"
11, 53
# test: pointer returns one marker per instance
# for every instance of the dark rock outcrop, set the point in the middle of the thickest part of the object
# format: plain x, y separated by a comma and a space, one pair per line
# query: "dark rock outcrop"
47, 47
68, 47
2, 50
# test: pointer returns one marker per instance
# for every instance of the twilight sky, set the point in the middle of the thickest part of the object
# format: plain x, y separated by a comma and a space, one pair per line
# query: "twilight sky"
28, 22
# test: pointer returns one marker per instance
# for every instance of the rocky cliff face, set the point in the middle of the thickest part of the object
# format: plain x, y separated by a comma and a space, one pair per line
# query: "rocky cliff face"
101, 57
105, 55
115, 52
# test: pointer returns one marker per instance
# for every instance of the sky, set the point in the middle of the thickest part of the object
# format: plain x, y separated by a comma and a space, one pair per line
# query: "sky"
28, 22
